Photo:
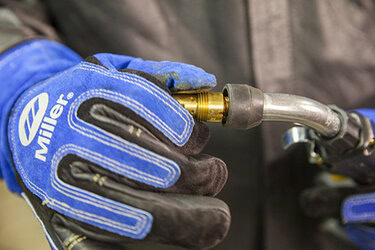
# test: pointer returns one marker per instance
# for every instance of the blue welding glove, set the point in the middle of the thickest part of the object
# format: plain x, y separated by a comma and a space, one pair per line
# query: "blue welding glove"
350, 200
358, 209
103, 154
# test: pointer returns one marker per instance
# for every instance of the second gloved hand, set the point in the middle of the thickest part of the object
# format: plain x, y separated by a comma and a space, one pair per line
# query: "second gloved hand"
351, 199
102, 152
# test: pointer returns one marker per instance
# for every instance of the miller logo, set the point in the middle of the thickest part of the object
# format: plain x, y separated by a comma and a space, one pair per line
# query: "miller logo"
33, 117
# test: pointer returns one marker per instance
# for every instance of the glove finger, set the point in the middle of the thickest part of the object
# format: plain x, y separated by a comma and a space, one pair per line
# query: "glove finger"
175, 76
319, 202
184, 220
202, 175
362, 235
79, 236
325, 201
199, 174
77, 239
199, 135
194, 222
76, 235
63, 235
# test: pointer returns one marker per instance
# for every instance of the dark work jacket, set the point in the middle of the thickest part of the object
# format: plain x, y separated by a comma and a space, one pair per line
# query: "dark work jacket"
322, 49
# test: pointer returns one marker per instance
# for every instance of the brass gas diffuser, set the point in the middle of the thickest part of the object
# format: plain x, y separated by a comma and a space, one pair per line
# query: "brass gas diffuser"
205, 106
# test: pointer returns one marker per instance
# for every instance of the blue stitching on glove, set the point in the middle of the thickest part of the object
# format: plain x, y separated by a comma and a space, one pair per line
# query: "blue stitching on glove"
143, 220
115, 166
179, 138
363, 235
38, 147
20, 67
155, 170
359, 208
125, 146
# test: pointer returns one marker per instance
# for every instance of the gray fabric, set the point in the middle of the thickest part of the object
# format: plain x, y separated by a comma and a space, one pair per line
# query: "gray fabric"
23, 21
10, 29
322, 49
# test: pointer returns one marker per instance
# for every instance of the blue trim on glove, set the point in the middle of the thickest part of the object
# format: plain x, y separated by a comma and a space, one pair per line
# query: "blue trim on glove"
144, 98
44, 127
361, 208
48, 86
363, 236
176, 76
369, 113
21, 67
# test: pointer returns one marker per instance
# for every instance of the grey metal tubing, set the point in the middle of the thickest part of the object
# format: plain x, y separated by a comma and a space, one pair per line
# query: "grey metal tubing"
298, 109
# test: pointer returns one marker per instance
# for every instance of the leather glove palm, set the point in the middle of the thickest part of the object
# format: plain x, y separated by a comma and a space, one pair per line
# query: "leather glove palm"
104, 155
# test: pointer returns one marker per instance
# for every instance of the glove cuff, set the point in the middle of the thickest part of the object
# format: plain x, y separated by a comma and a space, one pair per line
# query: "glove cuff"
20, 67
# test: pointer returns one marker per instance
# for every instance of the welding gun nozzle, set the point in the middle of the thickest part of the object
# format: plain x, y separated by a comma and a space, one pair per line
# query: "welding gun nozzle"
205, 106
240, 106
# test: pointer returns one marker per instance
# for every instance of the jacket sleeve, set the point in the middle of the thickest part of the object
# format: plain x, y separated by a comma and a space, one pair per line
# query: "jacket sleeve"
23, 20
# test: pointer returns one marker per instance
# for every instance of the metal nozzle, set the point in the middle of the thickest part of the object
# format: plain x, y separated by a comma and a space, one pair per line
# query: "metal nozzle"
205, 106
242, 106
239, 106
331, 133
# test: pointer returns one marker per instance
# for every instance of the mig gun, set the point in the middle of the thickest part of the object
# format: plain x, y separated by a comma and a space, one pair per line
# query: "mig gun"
332, 135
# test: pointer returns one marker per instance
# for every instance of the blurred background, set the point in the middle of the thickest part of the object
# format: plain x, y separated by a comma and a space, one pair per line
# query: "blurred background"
19, 229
